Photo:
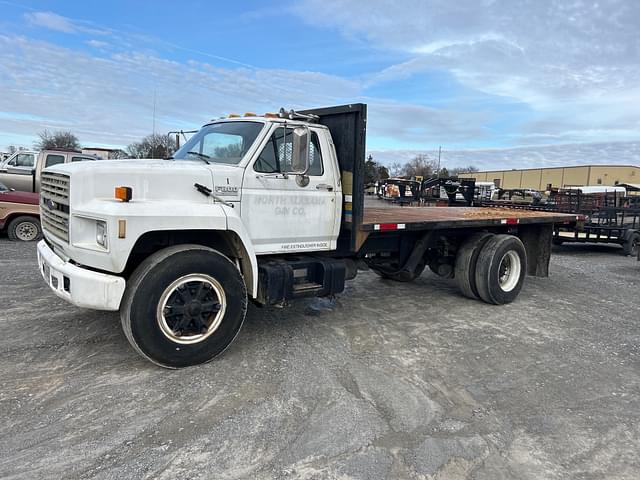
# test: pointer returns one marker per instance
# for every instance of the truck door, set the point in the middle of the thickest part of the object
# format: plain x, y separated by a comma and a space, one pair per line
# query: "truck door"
291, 213
17, 173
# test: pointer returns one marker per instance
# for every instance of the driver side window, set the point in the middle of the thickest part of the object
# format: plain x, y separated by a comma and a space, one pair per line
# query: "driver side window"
23, 160
276, 155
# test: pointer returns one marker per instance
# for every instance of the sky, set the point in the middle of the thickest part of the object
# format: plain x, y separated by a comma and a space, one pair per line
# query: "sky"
496, 83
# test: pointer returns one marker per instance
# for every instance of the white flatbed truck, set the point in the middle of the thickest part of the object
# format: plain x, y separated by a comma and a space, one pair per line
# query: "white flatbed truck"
262, 208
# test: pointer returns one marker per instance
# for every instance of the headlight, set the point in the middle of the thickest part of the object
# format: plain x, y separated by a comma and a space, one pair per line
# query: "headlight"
101, 233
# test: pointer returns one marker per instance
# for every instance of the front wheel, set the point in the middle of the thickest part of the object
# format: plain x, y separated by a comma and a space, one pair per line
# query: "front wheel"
183, 306
24, 229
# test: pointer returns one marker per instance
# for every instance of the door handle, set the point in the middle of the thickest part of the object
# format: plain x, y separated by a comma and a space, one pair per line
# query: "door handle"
324, 186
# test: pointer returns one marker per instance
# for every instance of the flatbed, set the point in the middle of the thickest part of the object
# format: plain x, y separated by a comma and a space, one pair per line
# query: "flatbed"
423, 218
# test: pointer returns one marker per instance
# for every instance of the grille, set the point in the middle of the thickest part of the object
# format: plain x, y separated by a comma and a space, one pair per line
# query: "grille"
54, 204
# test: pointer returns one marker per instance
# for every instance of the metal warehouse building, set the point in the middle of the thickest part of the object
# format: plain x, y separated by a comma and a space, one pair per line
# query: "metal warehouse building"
559, 177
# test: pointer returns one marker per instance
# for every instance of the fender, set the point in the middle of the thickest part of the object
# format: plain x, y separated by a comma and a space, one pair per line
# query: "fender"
249, 259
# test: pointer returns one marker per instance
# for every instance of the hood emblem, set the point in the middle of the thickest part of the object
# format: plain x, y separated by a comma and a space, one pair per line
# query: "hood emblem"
226, 190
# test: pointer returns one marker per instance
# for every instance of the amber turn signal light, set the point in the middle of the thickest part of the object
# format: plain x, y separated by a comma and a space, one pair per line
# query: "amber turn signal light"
124, 194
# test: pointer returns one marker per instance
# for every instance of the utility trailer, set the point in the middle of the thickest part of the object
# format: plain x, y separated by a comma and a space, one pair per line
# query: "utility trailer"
617, 225
601, 217
267, 209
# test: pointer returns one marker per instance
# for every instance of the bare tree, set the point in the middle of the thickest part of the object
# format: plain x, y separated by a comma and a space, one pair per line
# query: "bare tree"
153, 146
420, 166
60, 139
233, 150
396, 169
458, 170
117, 154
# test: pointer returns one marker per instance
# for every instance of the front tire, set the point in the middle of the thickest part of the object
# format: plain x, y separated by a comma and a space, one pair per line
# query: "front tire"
24, 229
500, 269
183, 306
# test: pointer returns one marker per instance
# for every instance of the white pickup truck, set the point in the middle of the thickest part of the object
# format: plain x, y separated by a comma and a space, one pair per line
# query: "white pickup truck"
268, 208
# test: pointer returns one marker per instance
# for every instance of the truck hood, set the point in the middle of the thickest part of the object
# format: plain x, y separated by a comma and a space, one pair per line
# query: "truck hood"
149, 179
26, 198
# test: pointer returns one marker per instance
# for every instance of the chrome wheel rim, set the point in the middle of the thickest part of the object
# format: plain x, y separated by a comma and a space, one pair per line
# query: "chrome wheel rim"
509, 271
191, 309
26, 231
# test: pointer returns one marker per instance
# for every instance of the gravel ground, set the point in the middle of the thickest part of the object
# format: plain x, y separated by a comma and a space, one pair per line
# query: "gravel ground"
389, 381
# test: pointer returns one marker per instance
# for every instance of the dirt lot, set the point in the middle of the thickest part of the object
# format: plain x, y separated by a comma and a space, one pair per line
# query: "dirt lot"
390, 381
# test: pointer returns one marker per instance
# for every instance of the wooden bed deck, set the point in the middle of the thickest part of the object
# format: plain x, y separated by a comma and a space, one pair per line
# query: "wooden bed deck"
418, 218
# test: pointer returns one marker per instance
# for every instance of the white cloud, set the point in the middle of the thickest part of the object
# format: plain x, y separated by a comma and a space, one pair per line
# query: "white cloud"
394, 122
56, 22
97, 43
109, 99
51, 21
575, 64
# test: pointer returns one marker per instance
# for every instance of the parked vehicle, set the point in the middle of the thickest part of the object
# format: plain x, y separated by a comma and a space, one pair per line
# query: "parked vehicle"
23, 169
266, 208
19, 214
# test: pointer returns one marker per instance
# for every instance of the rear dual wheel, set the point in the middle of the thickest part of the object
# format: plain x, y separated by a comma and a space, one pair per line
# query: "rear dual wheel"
491, 267
501, 268
466, 260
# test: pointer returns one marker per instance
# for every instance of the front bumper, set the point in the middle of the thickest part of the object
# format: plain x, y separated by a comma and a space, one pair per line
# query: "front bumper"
80, 286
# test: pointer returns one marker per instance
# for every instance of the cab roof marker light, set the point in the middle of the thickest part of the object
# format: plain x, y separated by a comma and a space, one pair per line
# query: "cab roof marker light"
271, 115
124, 194
250, 114
233, 115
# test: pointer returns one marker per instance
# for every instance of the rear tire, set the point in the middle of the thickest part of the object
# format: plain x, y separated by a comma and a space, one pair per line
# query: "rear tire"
500, 270
24, 229
183, 306
466, 261
632, 245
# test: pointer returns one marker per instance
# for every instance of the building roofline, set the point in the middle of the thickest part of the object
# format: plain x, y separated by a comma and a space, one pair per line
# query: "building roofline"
550, 168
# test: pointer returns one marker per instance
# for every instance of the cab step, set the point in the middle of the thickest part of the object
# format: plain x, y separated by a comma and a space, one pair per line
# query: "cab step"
283, 279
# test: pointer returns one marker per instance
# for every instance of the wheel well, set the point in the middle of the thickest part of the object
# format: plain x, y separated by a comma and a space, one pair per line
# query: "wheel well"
9, 218
226, 242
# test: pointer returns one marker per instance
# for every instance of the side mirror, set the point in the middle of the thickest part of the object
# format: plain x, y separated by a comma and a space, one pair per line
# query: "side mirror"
300, 151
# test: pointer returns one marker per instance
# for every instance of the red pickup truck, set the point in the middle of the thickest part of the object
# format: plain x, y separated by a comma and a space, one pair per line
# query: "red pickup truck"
20, 214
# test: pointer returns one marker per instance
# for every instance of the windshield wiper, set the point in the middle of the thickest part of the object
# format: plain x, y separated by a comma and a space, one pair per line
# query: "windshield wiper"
201, 156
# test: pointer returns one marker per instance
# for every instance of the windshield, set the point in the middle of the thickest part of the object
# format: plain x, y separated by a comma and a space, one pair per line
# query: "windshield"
225, 142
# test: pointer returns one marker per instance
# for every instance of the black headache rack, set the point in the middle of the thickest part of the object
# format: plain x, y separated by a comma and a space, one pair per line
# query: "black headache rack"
347, 125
